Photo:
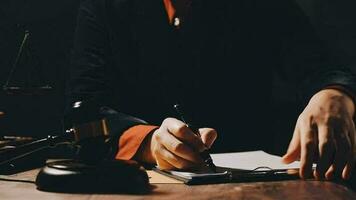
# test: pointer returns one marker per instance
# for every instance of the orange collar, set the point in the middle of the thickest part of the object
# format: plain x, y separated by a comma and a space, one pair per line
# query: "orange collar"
170, 10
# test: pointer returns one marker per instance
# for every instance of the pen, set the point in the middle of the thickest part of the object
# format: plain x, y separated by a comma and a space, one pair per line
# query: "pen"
205, 155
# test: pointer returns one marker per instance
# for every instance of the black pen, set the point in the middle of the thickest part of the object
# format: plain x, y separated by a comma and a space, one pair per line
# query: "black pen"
205, 154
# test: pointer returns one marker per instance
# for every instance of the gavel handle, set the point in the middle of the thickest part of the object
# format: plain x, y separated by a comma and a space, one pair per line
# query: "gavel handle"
9, 156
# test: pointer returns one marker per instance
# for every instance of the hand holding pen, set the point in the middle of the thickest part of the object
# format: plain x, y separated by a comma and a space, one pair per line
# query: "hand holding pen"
205, 154
175, 146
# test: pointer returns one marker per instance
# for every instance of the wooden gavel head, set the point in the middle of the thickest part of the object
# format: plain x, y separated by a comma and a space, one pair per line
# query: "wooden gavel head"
91, 133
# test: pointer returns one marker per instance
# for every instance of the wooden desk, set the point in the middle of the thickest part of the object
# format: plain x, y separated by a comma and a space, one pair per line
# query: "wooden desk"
285, 190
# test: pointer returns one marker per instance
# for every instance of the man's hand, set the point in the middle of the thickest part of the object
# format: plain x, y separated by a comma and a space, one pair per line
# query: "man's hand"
175, 146
325, 134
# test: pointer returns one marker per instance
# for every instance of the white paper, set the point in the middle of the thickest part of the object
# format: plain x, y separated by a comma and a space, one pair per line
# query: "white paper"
197, 174
251, 160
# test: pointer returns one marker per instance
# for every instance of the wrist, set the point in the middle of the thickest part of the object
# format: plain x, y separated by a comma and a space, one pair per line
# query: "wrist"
339, 95
144, 154
343, 90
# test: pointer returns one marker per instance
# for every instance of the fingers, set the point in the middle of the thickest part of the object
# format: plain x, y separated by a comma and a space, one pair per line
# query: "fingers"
183, 133
329, 175
167, 160
346, 173
163, 164
343, 152
308, 147
303, 144
326, 149
177, 147
293, 151
343, 158
208, 136
331, 138
333, 149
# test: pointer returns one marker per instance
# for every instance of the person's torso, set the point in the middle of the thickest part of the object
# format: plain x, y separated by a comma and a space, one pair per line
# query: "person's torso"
220, 65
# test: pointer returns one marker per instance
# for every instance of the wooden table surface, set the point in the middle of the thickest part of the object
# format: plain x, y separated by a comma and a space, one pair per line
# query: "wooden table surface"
296, 189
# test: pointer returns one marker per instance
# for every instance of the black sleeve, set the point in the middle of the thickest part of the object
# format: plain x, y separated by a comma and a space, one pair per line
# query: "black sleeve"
303, 51
91, 76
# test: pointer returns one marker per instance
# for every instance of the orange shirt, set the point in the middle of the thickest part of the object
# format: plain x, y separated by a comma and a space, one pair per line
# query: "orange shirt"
131, 140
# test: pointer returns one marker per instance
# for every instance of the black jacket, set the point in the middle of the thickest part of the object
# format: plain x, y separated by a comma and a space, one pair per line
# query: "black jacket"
245, 68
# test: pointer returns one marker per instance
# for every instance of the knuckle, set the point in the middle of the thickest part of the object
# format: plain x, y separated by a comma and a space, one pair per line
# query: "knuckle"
172, 158
165, 166
333, 119
213, 133
309, 144
156, 156
156, 151
179, 165
178, 147
182, 128
157, 136
167, 120
303, 117
304, 121
300, 119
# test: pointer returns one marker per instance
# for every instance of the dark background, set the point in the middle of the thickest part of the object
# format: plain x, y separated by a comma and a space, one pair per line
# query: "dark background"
52, 23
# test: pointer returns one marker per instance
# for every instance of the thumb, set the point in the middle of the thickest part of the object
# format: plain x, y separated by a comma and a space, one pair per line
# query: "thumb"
208, 136
293, 151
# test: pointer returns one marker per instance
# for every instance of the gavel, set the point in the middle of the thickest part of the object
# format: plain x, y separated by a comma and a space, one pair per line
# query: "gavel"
89, 134
94, 168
